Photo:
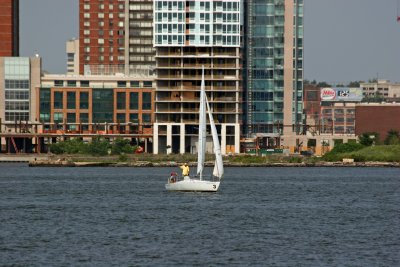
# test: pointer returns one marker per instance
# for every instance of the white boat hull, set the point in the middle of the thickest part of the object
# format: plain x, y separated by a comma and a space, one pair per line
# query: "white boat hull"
193, 185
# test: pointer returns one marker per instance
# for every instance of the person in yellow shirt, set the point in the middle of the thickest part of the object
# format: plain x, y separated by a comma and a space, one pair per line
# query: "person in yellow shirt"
185, 169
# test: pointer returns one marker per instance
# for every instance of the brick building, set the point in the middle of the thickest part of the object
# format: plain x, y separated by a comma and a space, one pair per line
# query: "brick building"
379, 118
9, 28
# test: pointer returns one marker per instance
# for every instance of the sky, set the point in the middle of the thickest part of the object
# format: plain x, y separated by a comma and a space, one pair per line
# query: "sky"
344, 40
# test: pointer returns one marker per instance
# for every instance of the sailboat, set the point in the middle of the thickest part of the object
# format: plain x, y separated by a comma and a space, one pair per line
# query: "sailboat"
199, 183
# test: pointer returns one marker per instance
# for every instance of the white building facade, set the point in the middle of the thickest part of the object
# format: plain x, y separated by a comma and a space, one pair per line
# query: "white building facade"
189, 34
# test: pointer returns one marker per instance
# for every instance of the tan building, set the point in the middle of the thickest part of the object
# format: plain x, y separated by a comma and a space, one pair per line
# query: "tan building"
382, 88
72, 49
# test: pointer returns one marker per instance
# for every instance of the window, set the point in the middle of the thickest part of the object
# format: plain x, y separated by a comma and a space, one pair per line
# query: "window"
147, 84
133, 117
58, 83
134, 83
71, 83
134, 100
121, 100
84, 100
121, 83
71, 117
71, 100
58, 100
146, 101
84, 83
121, 117
58, 117
146, 118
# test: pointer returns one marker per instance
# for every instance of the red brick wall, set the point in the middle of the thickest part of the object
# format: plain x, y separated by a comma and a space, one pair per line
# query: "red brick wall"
378, 119
6, 28
110, 24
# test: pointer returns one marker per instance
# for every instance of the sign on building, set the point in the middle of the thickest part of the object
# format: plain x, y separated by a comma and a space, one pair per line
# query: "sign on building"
342, 94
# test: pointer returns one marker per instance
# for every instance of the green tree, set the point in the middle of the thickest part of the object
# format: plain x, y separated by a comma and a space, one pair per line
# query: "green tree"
121, 146
98, 147
354, 84
323, 84
368, 138
392, 138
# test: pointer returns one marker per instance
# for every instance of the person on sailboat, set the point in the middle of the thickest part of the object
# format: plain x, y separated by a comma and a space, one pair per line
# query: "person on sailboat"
185, 170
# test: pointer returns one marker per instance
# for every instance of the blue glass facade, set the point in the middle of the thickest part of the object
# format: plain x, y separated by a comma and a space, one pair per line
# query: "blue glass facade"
265, 60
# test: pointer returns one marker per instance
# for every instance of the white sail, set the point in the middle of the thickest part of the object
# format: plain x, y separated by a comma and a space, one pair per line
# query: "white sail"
201, 153
218, 167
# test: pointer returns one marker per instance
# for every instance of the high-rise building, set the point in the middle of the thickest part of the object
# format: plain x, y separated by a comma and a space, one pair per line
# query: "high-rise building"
274, 67
188, 35
116, 37
9, 28
72, 49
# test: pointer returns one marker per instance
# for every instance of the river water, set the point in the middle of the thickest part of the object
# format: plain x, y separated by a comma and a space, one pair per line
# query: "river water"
260, 217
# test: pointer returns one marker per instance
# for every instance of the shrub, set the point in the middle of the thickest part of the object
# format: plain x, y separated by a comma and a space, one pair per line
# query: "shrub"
70, 146
347, 147
123, 158
98, 147
368, 138
120, 146
392, 138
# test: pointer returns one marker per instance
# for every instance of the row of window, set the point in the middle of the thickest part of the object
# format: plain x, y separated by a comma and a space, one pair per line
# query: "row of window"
84, 101
17, 116
202, 40
134, 84
16, 84
202, 5
205, 17
17, 105
19, 95
58, 117
102, 6
101, 32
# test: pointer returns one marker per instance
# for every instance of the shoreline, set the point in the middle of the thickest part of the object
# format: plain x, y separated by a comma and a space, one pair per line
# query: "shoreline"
140, 164
44, 160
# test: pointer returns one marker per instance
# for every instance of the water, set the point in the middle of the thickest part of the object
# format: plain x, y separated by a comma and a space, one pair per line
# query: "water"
260, 217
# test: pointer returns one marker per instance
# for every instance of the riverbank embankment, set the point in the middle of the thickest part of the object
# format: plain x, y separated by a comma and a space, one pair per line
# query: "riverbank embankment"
49, 160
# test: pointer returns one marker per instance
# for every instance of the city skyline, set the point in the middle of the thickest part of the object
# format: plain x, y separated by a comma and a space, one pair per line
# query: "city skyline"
362, 45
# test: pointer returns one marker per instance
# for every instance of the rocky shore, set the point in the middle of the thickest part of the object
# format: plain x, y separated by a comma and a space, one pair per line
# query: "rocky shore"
67, 163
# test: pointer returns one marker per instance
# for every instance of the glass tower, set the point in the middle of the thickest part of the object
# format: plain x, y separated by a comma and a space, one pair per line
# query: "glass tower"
274, 66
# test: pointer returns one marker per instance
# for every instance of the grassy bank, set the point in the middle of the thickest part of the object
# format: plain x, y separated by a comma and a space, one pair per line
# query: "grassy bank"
381, 153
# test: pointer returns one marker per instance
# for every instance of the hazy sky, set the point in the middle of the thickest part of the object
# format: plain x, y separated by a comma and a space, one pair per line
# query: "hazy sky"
345, 40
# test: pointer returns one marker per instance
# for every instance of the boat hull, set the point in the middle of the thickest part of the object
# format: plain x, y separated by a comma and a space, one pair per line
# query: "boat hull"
193, 185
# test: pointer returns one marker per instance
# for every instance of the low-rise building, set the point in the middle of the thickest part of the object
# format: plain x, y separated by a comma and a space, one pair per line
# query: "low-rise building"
18, 78
87, 106
377, 117
381, 89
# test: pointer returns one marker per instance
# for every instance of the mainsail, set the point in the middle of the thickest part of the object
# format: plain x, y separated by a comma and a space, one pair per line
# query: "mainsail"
218, 167
201, 153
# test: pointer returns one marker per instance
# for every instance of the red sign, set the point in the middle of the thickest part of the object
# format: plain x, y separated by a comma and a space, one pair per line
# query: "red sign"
328, 94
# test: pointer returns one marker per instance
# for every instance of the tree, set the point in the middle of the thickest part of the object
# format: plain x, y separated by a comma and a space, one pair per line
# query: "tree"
368, 138
323, 84
392, 138
354, 84
121, 146
98, 147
